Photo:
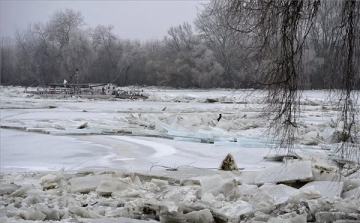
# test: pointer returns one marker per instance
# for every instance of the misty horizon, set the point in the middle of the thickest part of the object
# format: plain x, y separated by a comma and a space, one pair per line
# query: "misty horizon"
135, 20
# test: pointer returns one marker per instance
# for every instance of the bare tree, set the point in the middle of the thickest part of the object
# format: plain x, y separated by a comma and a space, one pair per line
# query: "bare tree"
105, 44
35, 54
7, 61
131, 51
61, 29
188, 61
178, 46
78, 56
154, 54
322, 41
62, 23
227, 45
115, 57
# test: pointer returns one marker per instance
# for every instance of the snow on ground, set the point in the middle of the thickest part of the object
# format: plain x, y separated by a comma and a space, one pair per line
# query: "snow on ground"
86, 160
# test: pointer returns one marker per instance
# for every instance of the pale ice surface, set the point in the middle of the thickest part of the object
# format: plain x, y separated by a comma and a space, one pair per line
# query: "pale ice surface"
44, 133
286, 173
158, 159
66, 146
326, 188
25, 151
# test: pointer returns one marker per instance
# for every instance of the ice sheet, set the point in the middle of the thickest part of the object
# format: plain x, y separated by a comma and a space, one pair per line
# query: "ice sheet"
286, 173
180, 115
326, 188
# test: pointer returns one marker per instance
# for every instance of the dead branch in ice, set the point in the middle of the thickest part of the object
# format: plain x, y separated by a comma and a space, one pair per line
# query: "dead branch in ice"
354, 170
167, 168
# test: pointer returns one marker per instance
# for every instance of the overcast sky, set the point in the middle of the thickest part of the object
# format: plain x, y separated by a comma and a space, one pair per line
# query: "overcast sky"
142, 20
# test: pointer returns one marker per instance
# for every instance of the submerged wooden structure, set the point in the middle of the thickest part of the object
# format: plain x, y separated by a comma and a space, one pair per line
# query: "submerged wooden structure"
87, 90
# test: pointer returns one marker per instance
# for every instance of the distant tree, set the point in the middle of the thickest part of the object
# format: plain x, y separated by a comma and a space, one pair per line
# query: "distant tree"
50, 52
321, 42
226, 44
154, 54
131, 51
105, 45
7, 61
78, 57
114, 57
36, 56
61, 30
188, 62
61, 26
206, 71
179, 43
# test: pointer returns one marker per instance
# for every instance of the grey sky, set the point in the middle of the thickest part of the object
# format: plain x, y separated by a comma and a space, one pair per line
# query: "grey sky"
141, 20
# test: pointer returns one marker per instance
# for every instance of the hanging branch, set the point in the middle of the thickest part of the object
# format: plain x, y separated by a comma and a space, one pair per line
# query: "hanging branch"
344, 81
279, 30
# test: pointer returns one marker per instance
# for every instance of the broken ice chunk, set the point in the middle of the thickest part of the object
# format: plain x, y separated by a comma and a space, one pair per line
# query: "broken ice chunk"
287, 173
32, 214
310, 138
185, 139
8, 188
21, 191
352, 193
289, 217
309, 193
248, 176
327, 189
87, 183
262, 201
280, 193
109, 185
202, 216
209, 182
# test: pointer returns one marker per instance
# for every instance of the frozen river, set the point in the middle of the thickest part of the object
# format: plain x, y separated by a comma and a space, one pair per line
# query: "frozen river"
82, 160
43, 134
25, 147
26, 151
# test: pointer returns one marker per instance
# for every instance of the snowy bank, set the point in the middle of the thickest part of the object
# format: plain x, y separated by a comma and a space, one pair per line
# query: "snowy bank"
185, 195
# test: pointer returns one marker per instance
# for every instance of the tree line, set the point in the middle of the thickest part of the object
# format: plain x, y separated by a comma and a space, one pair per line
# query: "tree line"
231, 44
